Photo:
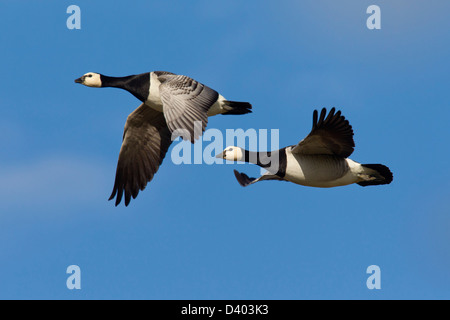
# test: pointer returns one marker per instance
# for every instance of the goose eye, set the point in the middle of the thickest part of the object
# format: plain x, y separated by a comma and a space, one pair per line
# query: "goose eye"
90, 76
231, 149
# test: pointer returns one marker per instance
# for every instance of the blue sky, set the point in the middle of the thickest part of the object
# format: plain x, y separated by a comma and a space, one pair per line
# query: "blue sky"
194, 233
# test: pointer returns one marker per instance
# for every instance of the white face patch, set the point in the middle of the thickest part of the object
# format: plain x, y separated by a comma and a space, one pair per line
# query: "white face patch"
92, 79
233, 153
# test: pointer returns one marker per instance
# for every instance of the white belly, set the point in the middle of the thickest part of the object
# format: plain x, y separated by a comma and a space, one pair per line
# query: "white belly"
155, 104
320, 171
154, 98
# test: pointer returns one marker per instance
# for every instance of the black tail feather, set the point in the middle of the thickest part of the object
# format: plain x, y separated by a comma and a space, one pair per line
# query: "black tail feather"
384, 175
237, 107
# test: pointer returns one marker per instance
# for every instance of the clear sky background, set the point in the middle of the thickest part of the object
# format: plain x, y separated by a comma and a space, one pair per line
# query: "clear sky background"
194, 233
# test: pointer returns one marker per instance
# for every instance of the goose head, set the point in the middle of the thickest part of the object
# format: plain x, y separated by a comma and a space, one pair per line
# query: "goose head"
90, 79
232, 153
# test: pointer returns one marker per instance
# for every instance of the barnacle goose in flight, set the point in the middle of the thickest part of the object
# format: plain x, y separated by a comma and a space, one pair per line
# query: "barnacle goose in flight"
320, 160
171, 105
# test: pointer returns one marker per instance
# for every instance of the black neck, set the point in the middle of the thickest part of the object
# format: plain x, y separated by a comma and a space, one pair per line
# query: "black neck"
273, 161
137, 85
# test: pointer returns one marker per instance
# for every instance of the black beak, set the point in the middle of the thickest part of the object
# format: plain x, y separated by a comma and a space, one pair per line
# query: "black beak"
79, 80
221, 155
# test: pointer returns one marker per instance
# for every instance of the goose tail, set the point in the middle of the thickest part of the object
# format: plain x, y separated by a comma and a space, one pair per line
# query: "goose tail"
375, 174
235, 107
